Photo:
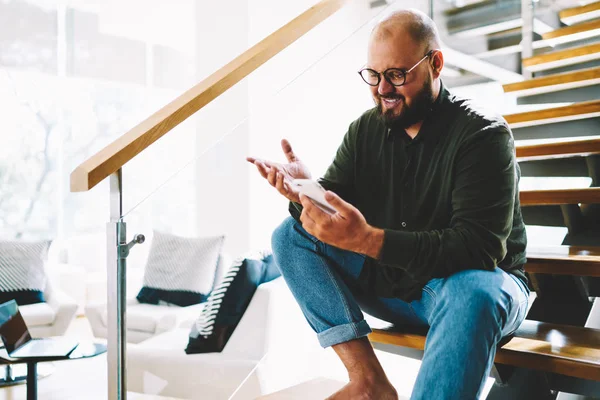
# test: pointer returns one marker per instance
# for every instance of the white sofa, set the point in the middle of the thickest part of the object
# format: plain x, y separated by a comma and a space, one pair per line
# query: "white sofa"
273, 324
53, 317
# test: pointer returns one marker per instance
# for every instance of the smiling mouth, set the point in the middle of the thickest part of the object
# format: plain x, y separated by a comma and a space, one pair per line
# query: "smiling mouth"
390, 102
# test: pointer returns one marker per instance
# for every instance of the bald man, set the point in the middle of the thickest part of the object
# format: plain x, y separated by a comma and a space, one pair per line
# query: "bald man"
428, 231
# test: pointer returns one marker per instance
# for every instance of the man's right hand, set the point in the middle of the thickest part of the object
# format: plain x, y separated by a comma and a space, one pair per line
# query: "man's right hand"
280, 176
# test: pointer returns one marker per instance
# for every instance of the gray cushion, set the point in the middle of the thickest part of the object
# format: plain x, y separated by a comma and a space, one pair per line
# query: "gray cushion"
180, 270
22, 274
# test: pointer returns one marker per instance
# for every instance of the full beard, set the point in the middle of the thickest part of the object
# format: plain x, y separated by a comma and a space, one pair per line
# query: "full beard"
409, 115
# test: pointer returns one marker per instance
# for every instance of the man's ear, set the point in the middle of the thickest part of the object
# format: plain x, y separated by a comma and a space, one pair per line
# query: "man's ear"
437, 62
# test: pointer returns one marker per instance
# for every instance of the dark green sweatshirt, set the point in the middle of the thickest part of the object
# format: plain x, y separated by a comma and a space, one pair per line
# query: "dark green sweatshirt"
447, 199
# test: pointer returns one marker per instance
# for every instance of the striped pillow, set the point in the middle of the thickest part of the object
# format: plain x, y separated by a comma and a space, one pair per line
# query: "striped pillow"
228, 302
180, 270
22, 274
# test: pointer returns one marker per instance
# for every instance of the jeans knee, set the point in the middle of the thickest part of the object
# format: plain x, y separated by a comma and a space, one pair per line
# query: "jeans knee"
281, 237
476, 296
486, 298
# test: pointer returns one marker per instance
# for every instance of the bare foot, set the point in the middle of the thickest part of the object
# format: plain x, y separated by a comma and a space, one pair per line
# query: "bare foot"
363, 390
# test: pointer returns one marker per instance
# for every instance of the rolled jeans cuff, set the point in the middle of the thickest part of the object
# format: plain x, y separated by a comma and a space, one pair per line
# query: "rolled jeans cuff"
343, 333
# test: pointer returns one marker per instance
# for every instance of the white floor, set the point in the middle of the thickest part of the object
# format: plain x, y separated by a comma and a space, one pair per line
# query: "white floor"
72, 379
322, 372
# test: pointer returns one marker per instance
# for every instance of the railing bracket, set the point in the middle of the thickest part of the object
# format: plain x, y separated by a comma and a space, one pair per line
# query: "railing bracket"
123, 249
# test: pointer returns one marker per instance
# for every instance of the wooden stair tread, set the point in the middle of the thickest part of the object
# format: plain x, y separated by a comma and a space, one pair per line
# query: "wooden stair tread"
557, 148
554, 83
567, 350
562, 54
560, 58
564, 260
537, 191
548, 115
575, 32
562, 252
581, 13
549, 197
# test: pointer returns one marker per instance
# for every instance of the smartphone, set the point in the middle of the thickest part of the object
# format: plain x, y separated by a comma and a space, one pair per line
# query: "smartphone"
316, 192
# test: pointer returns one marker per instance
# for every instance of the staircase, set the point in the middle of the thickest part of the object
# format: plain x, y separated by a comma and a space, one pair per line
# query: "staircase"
560, 39
557, 137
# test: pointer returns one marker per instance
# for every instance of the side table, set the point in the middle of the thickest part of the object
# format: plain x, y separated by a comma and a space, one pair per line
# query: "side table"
83, 350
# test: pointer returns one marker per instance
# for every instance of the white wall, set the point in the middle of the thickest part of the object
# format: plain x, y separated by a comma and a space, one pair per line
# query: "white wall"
313, 112
222, 192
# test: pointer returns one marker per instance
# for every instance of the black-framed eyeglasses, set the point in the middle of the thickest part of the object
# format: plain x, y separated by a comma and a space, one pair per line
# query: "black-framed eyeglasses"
394, 76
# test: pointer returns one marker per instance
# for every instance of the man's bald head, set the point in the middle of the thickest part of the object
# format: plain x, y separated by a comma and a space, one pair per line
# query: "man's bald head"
402, 43
417, 25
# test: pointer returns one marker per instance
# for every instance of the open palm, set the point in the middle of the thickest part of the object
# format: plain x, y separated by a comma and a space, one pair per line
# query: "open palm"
280, 176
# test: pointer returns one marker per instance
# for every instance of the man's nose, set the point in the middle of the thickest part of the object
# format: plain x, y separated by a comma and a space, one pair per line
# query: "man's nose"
385, 87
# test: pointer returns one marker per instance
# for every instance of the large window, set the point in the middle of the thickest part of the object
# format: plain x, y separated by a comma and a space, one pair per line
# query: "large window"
73, 77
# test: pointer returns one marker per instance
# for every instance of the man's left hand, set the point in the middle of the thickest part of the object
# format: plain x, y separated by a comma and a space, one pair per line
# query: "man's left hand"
347, 229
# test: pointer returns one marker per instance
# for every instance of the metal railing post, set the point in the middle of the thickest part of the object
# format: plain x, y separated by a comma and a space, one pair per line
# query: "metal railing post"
116, 293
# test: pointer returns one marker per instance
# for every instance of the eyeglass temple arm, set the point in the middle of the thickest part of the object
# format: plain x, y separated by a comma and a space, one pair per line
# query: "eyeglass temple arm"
429, 53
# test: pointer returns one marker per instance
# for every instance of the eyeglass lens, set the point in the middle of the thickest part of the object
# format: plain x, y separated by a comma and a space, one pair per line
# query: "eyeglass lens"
393, 76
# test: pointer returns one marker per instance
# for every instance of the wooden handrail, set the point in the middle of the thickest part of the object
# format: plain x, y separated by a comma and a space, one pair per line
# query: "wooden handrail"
118, 153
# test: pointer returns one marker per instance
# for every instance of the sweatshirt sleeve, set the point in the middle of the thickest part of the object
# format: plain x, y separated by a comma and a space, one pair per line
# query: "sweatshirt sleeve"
482, 202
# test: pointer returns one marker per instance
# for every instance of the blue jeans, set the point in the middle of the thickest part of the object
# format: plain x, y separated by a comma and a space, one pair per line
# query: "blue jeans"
467, 313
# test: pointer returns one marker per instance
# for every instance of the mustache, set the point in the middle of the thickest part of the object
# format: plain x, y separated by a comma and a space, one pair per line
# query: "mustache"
391, 97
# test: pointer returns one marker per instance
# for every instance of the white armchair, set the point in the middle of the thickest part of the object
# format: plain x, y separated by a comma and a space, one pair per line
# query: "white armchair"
143, 320
53, 317
147, 320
